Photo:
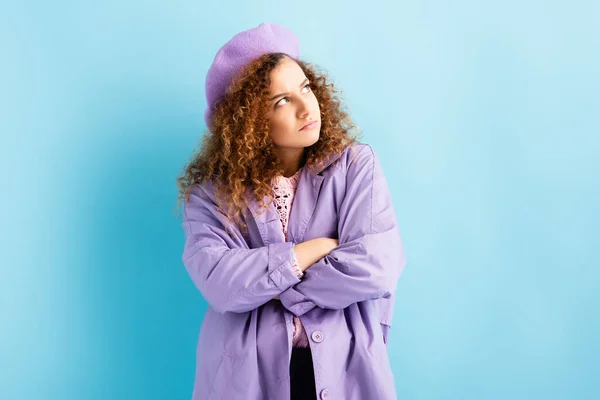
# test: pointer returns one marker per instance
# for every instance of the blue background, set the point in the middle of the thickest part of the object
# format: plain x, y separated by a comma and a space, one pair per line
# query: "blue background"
484, 116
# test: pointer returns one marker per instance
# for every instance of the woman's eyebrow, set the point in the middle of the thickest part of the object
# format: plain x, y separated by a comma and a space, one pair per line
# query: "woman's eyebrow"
286, 94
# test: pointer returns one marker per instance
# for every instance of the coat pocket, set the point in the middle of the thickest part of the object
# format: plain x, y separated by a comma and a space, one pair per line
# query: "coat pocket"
226, 369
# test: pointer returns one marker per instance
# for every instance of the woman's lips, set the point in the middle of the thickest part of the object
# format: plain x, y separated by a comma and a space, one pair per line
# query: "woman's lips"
310, 126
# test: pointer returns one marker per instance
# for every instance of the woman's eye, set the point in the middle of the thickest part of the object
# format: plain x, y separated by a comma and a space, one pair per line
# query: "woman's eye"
279, 103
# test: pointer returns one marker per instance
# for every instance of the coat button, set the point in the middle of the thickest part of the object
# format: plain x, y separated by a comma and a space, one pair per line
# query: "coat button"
324, 394
317, 336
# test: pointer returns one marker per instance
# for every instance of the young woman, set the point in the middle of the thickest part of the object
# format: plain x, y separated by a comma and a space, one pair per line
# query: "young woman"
291, 236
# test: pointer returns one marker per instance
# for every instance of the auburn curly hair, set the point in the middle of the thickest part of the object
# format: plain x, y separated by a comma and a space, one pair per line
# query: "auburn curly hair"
237, 152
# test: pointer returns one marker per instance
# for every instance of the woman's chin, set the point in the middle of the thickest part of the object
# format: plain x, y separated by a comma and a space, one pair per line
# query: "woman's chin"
311, 139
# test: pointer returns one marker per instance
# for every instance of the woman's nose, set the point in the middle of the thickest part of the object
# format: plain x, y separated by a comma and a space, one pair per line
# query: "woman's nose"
302, 109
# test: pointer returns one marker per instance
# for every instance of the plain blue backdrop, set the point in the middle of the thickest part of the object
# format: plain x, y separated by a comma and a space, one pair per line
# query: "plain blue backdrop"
485, 116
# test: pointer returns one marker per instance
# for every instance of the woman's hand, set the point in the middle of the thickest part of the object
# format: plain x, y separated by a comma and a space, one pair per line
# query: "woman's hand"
331, 243
311, 251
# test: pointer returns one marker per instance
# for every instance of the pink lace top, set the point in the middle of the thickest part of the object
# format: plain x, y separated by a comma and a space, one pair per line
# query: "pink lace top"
283, 190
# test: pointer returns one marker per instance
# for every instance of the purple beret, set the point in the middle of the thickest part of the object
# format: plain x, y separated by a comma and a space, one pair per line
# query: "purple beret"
242, 49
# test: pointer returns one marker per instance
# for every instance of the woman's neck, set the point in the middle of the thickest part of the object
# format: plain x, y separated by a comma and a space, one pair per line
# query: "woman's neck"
292, 160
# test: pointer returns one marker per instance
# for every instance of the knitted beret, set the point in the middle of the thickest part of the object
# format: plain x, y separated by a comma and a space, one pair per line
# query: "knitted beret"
240, 51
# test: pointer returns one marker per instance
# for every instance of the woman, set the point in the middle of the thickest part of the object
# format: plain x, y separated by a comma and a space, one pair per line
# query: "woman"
300, 298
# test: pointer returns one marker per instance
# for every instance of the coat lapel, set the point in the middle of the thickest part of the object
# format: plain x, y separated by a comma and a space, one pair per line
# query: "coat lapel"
304, 203
267, 221
303, 207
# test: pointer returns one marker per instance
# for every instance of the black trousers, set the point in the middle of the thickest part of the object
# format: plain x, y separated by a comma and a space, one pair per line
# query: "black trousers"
302, 375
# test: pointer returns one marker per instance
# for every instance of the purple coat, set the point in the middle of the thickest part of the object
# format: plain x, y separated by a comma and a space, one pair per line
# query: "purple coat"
345, 300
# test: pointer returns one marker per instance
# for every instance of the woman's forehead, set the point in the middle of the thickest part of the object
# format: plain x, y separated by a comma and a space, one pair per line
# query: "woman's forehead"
287, 75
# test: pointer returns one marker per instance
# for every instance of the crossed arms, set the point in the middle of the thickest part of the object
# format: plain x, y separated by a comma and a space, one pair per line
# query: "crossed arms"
366, 264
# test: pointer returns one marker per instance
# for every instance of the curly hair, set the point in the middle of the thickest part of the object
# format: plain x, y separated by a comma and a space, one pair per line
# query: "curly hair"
237, 153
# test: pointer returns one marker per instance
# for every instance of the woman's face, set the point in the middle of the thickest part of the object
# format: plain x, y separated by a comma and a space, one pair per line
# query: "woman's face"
291, 106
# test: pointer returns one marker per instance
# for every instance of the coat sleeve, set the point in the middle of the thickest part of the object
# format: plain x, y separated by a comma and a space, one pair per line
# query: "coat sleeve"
228, 274
370, 257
